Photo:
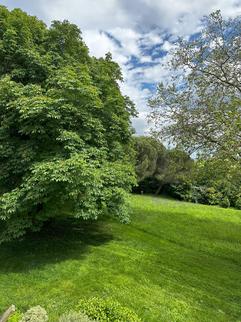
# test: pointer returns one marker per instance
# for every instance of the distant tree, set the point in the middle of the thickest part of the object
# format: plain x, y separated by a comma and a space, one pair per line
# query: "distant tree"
65, 132
150, 153
200, 108
176, 166
158, 166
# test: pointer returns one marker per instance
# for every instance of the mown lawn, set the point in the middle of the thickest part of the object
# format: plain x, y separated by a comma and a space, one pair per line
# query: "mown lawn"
175, 262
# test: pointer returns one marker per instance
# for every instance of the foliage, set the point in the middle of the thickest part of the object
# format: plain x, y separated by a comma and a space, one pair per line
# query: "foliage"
238, 202
157, 166
177, 166
182, 191
75, 317
220, 180
199, 108
107, 310
150, 153
224, 202
65, 134
213, 181
35, 314
213, 197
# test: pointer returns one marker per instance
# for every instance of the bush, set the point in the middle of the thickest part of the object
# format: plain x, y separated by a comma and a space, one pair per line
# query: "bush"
213, 196
224, 202
75, 317
35, 314
107, 310
238, 203
181, 191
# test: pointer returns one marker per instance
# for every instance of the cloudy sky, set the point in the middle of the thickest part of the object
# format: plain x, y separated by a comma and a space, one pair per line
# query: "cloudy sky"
138, 33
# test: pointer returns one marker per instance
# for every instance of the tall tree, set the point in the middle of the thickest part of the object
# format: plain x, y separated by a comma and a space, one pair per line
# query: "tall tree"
65, 133
199, 109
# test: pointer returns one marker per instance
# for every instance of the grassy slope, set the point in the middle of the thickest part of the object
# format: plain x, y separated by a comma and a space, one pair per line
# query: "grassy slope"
175, 262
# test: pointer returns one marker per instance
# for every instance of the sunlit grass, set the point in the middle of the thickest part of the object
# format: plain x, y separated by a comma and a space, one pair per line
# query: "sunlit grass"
175, 262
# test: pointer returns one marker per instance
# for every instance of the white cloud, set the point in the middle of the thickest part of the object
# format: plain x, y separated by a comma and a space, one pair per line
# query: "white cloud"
141, 29
129, 39
179, 17
99, 44
88, 14
167, 45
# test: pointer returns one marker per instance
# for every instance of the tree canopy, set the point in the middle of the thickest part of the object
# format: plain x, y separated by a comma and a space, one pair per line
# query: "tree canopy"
199, 109
150, 153
65, 132
157, 166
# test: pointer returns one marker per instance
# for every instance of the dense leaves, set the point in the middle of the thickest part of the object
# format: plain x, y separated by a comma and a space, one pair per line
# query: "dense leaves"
157, 166
213, 181
107, 310
65, 134
150, 154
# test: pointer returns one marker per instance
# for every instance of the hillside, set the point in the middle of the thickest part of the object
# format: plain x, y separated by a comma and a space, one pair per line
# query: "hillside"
174, 262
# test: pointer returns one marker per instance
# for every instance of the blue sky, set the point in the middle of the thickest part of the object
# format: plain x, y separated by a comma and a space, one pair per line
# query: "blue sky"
139, 33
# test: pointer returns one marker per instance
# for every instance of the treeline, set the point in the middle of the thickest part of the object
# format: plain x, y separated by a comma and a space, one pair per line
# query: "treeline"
212, 181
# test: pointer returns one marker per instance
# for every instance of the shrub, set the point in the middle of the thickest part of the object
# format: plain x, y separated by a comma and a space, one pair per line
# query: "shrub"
238, 203
35, 314
182, 191
75, 317
107, 310
212, 196
224, 202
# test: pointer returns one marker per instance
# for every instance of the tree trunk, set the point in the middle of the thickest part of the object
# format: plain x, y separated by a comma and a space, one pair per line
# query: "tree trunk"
158, 189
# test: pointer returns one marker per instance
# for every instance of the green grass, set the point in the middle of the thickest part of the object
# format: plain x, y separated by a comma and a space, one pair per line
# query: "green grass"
175, 262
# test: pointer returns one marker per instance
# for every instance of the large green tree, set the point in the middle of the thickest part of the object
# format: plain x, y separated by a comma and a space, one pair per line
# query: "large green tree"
65, 133
199, 108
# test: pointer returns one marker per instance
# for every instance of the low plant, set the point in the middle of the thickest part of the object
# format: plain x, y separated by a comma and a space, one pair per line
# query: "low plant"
35, 314
107, 310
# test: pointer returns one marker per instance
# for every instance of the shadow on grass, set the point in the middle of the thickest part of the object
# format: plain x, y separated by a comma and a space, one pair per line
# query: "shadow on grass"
56, 242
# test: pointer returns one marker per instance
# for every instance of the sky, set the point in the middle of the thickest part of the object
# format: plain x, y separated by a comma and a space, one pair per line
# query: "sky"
139, 33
